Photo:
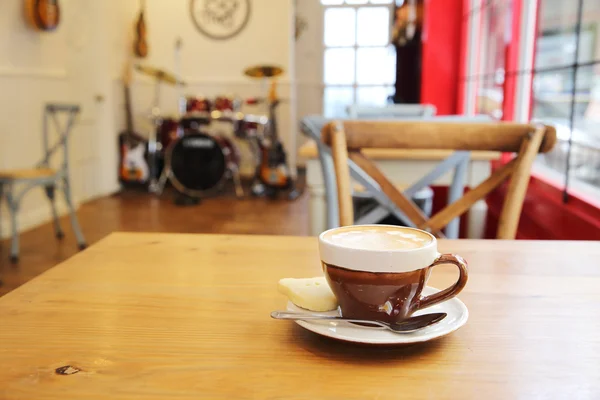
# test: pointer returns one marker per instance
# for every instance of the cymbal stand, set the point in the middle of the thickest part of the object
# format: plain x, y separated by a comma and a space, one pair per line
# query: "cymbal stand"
152, 139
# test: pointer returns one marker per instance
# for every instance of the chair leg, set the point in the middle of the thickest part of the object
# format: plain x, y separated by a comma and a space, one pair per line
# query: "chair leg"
1, 195
76, 228
13, 208
50, 193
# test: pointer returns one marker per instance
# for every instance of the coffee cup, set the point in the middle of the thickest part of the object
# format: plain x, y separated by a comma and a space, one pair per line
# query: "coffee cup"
378, 272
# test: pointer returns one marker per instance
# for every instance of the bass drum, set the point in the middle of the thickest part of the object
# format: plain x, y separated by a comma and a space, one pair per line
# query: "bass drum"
200, 163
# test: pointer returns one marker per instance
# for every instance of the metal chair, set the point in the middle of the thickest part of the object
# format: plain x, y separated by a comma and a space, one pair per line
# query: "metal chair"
347, 138
42, 175
391, 111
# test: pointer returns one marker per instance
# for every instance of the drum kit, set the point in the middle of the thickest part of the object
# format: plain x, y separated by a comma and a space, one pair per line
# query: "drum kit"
184, 151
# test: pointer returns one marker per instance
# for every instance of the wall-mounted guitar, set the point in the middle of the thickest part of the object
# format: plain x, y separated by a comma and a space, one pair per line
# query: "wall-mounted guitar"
273, 172
43, 15
140, 45
133, 167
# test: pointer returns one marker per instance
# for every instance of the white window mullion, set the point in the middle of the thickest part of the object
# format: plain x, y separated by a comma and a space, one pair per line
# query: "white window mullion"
527, 35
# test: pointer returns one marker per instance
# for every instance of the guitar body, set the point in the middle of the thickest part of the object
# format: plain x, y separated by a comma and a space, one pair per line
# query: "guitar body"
133, 164
140, 45
273, 171
43, 15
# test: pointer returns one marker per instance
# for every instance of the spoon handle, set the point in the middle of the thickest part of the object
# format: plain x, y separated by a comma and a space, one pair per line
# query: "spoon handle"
299, 316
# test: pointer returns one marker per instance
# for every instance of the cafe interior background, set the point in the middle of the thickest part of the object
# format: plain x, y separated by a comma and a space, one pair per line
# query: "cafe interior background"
225, 69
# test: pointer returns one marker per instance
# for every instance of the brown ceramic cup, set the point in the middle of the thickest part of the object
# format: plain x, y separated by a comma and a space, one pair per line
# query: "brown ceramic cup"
378, 272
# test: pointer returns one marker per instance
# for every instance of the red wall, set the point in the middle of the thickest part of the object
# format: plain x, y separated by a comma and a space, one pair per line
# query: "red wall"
442, 34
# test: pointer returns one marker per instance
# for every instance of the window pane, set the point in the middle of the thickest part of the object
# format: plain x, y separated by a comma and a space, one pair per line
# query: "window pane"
490, 98
552, 94
331, 2
376, 66
552, 105
373, 26
336, 100
381, 1
339, 66
495, 33
356, 1
585, 153
556, 37
340, 27
590, 20
373, 96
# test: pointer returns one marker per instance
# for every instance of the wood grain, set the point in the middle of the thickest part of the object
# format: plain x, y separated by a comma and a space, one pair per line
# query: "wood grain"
339, 153
145, 212
309, 150
517, 187
499, 136
175, 316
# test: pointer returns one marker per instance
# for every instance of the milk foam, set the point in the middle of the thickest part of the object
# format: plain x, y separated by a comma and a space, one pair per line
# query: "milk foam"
373, 238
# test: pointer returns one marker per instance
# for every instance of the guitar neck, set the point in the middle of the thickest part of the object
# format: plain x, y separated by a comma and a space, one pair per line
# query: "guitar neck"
273, 122
128, 114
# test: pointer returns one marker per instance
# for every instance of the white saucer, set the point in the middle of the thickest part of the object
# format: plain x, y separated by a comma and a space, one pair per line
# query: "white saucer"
345, 331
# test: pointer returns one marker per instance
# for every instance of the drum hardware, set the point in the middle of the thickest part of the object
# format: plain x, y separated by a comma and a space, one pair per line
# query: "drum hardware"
263, 71
160, 76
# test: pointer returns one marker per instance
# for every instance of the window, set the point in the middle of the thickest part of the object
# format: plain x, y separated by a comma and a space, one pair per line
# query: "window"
359, 66
555, 78
566, 90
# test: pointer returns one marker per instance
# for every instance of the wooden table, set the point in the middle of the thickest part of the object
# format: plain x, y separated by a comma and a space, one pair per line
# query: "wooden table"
404, 167
164, 316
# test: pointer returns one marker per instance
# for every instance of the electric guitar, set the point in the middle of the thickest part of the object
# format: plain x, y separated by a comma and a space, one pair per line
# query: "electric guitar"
273, 170
133, 165
43, 15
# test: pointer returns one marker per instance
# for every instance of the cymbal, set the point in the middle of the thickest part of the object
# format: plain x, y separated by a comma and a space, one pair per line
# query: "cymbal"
263, 71
159, 74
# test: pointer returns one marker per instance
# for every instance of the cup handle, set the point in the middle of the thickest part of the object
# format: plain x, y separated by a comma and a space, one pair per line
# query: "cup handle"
453, 290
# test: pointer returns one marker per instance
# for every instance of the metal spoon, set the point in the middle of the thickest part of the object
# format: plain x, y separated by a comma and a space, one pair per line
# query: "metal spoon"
408, 325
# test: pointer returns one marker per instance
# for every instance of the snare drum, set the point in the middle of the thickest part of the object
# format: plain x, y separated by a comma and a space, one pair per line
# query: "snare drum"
225, 103
201, 104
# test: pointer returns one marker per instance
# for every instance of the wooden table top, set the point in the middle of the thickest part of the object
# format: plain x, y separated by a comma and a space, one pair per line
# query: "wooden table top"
167, 316
309, 150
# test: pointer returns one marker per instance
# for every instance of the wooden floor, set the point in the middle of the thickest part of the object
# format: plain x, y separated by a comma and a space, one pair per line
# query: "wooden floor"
136, 212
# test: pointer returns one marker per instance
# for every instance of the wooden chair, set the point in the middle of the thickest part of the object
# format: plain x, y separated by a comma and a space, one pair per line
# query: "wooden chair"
43, 176
347, 138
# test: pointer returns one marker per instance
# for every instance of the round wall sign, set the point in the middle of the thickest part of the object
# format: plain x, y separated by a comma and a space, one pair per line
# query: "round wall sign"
220, 19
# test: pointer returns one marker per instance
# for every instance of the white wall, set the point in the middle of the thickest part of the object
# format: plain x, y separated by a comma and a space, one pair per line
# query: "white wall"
308, 62
83, 61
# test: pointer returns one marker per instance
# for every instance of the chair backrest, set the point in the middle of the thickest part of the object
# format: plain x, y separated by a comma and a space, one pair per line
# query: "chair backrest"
347, 138
62, 132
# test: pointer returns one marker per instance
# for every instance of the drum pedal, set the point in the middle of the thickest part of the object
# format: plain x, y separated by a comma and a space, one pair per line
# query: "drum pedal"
184, 200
